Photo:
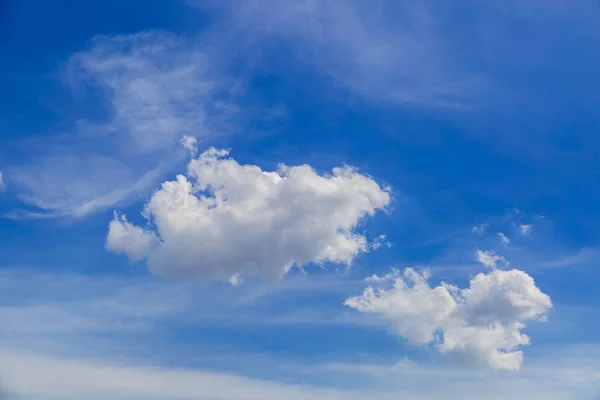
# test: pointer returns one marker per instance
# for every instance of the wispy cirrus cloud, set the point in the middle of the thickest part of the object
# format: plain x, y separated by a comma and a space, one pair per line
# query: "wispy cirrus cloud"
155, 87
392, 52
77, 308
476, 71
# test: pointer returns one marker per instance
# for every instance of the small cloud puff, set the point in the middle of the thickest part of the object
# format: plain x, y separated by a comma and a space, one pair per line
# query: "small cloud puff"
190, 143
489, 258
480, 229
525, 229
505, 240
126, 238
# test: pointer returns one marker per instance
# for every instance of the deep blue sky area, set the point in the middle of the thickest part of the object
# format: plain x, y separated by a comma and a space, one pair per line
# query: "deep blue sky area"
466, 216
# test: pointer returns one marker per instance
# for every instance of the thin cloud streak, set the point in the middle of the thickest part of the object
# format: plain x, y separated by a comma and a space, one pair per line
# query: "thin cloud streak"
158, 88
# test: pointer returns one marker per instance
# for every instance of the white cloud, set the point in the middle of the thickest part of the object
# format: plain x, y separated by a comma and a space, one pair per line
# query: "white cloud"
124, 237
103, 337
505, 240
225, 219
158, 85
489, 258
482, 322
190, 143
555, 373
154, 88
83, 379
393, 52
1, 181
28, 376
525, 229
480, 229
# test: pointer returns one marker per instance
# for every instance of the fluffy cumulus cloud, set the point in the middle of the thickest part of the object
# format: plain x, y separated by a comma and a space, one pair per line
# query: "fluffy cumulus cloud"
525, 229
224, 220
482, 322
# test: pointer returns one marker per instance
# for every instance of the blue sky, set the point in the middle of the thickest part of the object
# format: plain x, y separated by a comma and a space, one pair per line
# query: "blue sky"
311, 199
